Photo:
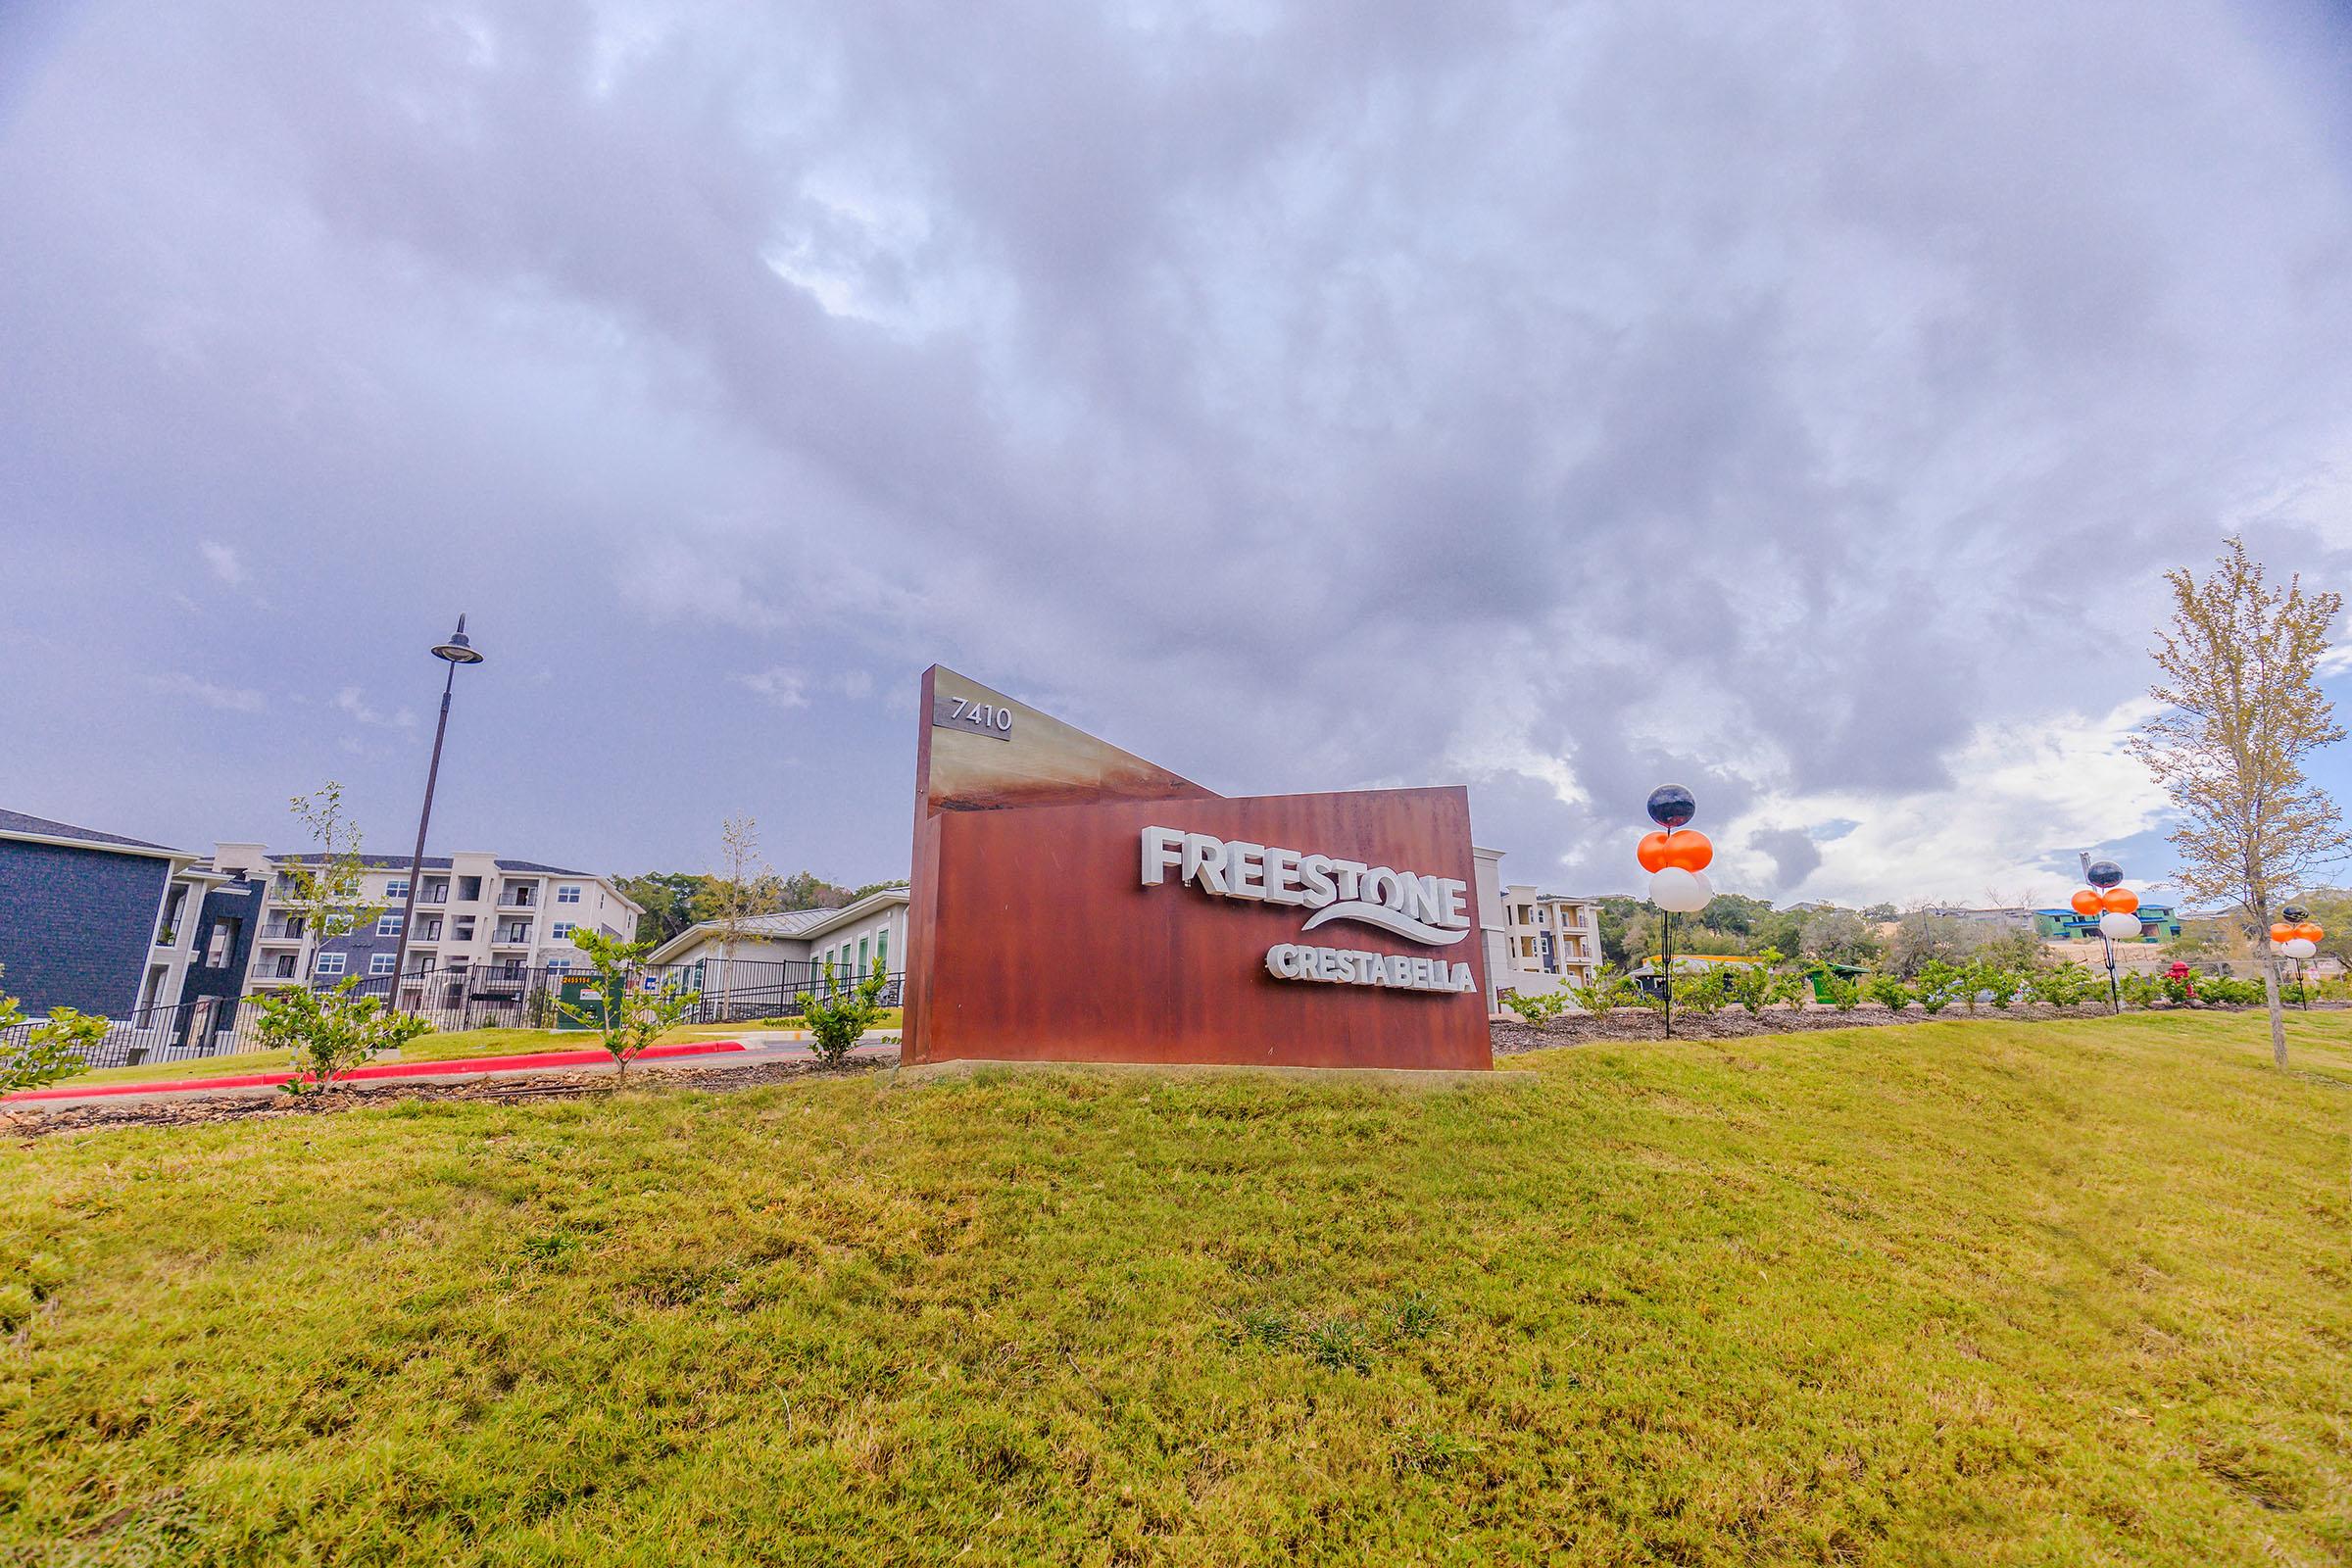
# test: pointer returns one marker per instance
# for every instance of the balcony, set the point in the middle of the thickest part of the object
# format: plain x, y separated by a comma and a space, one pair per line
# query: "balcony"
511, 936
282, 931
166, 936
518, 899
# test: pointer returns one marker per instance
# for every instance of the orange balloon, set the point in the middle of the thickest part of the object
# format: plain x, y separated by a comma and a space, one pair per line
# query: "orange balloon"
2309, 932
2086, 902
2280, 931
1651, 851
2119, 901
1691, 850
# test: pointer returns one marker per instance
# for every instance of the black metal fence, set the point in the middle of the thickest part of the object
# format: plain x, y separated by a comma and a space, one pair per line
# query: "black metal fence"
494, 996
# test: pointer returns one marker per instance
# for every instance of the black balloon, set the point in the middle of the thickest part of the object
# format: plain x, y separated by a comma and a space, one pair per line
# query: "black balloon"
2293, 912
2104, 873
1670, 805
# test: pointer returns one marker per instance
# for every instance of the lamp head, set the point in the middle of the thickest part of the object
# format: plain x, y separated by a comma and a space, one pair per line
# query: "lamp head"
457, 650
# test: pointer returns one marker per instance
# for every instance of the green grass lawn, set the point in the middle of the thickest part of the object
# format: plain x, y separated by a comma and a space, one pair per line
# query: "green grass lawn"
1957, 1293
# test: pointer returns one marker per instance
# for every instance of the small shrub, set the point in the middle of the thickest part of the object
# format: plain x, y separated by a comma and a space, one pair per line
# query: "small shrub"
839, 1023
1703, 993
2058, 984
1939, 985
1538, 1010
327, 1033
1889, 993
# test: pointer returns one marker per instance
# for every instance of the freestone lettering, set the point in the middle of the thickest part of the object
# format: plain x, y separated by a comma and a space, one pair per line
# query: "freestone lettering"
1429, 910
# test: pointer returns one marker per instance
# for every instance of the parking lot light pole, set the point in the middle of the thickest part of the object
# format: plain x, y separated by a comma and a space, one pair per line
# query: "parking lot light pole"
457, 651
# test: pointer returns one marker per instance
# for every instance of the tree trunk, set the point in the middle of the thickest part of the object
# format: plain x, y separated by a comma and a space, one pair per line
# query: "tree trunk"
2270, 995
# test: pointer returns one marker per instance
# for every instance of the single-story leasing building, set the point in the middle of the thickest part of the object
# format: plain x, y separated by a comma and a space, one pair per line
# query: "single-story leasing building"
771, 957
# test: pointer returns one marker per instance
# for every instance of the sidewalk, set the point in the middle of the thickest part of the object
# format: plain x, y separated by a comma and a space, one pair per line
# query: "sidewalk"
751, 1050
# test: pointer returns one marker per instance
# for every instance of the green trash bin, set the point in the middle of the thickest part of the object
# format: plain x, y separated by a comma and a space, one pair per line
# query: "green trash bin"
582, 1003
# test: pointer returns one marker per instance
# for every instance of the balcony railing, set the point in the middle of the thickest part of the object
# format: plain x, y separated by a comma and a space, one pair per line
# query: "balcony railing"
515, 901
512, 936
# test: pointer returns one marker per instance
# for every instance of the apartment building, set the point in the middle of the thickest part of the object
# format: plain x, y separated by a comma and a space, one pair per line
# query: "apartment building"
480, 920
1549, 940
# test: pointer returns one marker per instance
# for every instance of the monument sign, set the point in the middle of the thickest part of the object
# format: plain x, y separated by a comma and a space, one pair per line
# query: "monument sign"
1071, 901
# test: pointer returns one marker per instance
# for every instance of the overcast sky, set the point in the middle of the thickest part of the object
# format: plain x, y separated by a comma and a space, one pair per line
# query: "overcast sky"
1799, 401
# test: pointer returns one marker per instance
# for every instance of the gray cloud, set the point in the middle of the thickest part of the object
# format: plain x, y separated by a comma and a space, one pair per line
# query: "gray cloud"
1563, 400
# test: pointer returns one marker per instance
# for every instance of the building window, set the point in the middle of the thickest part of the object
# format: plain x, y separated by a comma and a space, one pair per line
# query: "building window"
224, 937
397, 887
331, 963
567, 894
470, 889
865, 955
563, 931
381, 962
388, 925
558, 966
285, 967
464, 927
882, 949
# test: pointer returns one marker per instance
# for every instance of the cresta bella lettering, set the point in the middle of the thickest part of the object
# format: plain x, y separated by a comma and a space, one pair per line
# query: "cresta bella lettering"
1429, 910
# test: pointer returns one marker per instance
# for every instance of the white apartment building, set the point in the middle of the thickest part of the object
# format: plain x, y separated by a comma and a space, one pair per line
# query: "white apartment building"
1549, 940
479, 919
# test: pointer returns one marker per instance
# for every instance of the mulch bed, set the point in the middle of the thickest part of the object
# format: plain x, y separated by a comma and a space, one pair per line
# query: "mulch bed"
34, 1122
1732, 1023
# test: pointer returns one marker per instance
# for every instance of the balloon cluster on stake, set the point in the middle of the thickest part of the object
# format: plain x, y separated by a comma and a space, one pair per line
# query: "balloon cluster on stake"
1675, 858
2296, 936
2116, 905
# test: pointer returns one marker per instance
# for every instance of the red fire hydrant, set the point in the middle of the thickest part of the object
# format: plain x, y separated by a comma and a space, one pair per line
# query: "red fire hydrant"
2180, 972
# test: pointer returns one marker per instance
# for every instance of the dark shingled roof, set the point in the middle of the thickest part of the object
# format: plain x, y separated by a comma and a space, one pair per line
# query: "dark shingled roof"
17, 822
439, 862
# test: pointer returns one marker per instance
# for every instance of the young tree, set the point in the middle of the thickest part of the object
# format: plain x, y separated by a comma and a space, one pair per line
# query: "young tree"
838, 1023
2239, 669
326, 891
736, 894
628, 1014
328, 1032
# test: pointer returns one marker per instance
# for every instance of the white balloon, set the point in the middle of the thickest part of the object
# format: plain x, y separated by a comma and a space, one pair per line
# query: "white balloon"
1683, 892
2300, 948
2121, 927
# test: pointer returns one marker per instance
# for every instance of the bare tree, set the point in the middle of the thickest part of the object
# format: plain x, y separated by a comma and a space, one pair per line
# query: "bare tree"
736, 894
325, 891
2243, 707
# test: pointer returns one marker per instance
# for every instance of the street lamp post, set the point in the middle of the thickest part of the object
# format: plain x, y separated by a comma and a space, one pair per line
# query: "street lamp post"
457, 651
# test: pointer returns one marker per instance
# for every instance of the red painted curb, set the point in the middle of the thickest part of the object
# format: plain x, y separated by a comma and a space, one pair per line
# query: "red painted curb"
390, 1069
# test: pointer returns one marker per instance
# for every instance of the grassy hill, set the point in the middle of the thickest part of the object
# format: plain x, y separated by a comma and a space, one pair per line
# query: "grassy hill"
1953, 1294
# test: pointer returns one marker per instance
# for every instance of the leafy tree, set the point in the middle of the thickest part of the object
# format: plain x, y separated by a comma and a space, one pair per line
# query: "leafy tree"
1840, 936
669, 899
838, 1023
1878, 913
629, 1015
324, 889
2239, 678
1757, 986
56, 1048
327, 1033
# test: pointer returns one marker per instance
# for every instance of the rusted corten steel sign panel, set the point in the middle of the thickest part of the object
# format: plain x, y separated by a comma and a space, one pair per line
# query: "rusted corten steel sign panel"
1071, 901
